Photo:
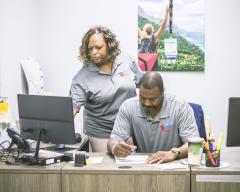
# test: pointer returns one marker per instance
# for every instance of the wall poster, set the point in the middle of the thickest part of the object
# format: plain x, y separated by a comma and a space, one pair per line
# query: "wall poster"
171, 35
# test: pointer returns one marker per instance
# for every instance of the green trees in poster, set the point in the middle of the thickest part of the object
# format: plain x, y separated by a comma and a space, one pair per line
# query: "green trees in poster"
190, 56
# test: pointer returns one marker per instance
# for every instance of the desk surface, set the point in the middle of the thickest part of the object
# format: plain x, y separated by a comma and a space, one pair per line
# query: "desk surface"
53, 168
108, 166
108, 176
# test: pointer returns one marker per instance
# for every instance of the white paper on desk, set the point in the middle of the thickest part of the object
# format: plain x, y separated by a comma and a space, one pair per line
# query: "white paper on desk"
94, 160
166, 166
132, 159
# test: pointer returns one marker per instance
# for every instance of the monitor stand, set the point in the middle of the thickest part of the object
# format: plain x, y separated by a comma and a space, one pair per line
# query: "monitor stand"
60, 148
34, 160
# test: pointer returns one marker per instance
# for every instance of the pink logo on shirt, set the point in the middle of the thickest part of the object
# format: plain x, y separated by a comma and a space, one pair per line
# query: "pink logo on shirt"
122, 74
166, 127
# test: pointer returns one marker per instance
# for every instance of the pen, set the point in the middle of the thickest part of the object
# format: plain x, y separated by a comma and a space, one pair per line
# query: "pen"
209, 154
211, 146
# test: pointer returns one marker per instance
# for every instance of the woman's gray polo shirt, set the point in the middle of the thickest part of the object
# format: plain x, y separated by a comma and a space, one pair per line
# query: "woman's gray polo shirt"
102, 94
172, 127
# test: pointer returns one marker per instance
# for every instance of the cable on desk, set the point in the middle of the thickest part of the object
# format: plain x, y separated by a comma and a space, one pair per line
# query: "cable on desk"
10, 155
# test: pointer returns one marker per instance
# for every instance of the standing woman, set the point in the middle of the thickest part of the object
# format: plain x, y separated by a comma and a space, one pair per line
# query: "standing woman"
106, 79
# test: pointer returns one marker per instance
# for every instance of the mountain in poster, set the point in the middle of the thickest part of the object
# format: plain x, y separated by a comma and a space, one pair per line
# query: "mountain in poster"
190, 42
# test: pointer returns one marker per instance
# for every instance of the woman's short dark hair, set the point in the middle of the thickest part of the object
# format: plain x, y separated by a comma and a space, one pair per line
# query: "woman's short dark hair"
108, 36
152, 79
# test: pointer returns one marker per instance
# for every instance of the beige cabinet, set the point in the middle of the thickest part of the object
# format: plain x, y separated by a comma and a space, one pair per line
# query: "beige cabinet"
20, 178
218, 179
108, 177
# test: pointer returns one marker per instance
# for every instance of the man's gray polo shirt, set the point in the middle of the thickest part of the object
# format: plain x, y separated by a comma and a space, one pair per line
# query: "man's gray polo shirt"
172, 127
102, 94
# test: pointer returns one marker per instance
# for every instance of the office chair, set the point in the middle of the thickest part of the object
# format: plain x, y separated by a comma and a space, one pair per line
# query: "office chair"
199, 116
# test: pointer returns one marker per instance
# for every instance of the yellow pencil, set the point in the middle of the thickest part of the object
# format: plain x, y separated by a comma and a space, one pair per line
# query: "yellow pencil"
219, 142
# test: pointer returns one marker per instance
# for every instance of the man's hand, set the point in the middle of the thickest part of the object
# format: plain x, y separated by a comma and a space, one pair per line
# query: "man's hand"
123, 149
161, 157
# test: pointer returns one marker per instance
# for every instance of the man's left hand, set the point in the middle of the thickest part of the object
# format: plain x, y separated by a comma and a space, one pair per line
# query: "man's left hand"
161, 157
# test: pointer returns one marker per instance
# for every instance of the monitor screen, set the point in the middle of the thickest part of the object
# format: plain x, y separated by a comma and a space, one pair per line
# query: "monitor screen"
53, 114
233, 130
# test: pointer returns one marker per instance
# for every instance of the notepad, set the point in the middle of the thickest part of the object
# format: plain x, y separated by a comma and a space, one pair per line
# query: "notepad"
132, 159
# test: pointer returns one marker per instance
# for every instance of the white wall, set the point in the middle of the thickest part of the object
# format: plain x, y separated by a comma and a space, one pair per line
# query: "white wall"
62, 26
51, 31
18, 40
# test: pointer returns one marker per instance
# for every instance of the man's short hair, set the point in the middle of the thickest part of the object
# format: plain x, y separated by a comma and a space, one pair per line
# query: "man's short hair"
152, 79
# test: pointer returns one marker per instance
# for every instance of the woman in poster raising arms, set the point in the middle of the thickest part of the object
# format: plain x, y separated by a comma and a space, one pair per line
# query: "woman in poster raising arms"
149, 38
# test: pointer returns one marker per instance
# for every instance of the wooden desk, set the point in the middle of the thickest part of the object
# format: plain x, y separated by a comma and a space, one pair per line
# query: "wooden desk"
27, 178
20, 178
218, 180
108, 177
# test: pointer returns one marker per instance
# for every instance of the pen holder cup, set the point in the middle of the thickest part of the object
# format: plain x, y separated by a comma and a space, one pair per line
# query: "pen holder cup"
214, 160
80, 160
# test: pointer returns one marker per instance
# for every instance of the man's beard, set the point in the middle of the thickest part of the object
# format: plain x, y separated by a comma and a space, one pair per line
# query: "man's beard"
149, 109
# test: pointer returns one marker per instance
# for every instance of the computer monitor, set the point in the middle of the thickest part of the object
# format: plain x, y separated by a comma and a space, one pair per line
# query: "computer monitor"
233, 130
53, 115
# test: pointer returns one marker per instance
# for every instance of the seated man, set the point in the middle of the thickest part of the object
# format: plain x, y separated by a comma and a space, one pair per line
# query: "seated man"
158, 123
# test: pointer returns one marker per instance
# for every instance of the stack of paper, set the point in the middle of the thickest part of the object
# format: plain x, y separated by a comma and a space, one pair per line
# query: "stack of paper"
132, 159
166, 166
